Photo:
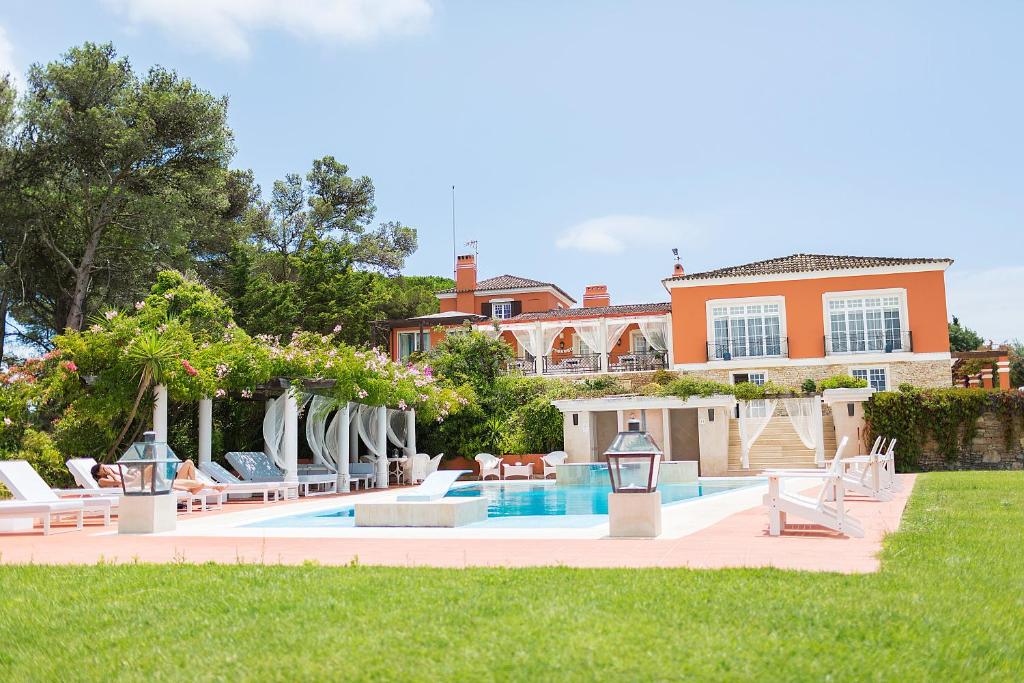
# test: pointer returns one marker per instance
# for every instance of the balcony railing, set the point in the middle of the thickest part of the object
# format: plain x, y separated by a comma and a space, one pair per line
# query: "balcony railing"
749, 347
638, 361
887, 341
526, 364
571, 365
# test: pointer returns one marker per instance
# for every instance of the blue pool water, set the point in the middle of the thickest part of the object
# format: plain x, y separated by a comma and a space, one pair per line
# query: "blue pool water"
544, 504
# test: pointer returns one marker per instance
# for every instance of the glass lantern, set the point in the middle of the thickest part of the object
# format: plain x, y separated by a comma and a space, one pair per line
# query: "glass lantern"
148, 467
633, 461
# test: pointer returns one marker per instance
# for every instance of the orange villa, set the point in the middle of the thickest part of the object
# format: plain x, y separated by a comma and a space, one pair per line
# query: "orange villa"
785, 320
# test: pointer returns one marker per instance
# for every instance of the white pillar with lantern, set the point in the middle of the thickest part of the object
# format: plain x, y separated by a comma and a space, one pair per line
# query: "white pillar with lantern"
634, 505
149, 504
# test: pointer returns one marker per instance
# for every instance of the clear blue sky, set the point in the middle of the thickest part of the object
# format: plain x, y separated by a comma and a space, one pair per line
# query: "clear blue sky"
588, 138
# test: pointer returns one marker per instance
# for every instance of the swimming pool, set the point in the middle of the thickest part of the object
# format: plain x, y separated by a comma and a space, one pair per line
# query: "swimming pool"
541, 501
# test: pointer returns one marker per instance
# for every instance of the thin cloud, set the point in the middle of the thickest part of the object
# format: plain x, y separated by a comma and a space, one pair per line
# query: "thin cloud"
225, 26
988, 301
617, 234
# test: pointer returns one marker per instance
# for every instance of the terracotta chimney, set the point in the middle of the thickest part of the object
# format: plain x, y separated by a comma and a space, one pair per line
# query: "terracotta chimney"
677, 270
595, 296
465, 273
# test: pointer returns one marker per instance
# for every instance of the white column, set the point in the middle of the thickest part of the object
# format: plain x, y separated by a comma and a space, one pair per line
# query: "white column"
538, 335
160, 413
819, 427
380, 416
343, 448
669, 351
605, 343
205, 430
621, 418
666, 431
291, 438
353, 438
410, 434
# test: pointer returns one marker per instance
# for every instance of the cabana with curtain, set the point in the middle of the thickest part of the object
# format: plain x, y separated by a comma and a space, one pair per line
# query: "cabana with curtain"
336, 435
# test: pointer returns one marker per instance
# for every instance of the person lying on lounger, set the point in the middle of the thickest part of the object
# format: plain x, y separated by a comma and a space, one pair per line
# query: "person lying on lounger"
109, 476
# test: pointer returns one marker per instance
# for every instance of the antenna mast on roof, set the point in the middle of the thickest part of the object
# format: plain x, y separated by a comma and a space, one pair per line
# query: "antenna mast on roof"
474, 245
455, 258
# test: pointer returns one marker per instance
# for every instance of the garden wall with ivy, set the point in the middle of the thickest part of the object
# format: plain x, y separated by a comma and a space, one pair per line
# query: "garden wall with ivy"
950, 429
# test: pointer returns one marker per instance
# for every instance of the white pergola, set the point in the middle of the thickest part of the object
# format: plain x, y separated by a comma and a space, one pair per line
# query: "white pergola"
337, 436
599, 333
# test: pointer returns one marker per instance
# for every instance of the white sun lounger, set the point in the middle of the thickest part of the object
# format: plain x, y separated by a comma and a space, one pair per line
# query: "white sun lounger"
81, 470
36, 499
216, 474
783, 503
434, 487
257, 466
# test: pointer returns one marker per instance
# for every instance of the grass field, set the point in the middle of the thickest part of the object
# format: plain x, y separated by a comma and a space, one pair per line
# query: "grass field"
948, 604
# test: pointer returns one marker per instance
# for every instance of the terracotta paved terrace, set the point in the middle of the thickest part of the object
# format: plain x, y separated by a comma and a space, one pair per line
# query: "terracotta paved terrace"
739, 540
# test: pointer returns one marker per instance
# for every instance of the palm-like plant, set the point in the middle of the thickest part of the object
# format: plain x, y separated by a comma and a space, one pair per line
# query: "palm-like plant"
152, 357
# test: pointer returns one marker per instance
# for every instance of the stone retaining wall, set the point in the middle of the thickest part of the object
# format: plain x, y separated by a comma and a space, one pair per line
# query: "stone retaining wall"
987, 452
925, 374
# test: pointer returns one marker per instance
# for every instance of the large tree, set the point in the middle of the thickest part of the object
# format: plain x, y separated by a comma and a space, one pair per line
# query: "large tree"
963, 338
114, 176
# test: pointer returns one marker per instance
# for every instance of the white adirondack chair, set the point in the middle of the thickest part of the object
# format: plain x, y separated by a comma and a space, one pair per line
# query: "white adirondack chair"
866, 475
551, 462
817, 510
490, 465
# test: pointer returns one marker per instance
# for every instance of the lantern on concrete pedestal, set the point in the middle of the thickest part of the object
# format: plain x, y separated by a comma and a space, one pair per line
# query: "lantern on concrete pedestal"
634, 505
149, 504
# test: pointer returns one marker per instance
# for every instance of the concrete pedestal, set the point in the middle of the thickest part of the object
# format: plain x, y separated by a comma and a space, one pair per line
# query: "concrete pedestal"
147, 514
634, 515
443, 512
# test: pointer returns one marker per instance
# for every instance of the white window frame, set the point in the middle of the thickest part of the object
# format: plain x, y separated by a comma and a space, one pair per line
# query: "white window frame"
418, 340
764, 376
868, 369
904, 311
503, 303
712, 304
633, 336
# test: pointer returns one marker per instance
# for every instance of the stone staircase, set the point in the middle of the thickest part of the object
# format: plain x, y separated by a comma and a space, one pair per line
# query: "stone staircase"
777, 447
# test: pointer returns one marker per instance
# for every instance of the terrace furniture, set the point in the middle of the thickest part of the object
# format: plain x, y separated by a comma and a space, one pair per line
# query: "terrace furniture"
490, 465
869, 475
365, 472
214, 473
423, 466
783, 503
519, 470
257, 466
397, 468
551, 462
81, 470
36, 499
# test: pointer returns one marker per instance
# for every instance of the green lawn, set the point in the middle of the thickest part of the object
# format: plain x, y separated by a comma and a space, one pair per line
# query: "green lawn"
947, 605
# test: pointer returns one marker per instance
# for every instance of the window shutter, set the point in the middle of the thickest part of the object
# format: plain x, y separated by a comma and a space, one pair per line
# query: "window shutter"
485, 310
517, 308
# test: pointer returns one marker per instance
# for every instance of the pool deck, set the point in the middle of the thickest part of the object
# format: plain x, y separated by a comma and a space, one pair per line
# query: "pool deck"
731, 531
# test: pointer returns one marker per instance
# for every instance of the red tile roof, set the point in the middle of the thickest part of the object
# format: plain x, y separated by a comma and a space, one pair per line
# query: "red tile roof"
805, 263
562, 313
511, 282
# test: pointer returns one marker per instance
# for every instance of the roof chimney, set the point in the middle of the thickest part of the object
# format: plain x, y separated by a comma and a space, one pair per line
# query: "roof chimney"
465, 273
595, 296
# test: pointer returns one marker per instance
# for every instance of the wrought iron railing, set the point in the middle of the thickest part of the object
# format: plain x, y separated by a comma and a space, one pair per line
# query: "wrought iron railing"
748, 347
882, 341
526, 364
638, 361
571, 365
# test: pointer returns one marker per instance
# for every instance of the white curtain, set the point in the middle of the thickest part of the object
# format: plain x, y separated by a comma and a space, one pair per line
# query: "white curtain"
548, 338
656, 334
489, 330
367, 424
273, 429
615, 331
527, 340
805, 416
316, 429
396, 428
590, 333
754, 417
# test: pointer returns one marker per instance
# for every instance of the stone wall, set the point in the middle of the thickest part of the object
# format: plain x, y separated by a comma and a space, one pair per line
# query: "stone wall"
987, 451
925, 374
